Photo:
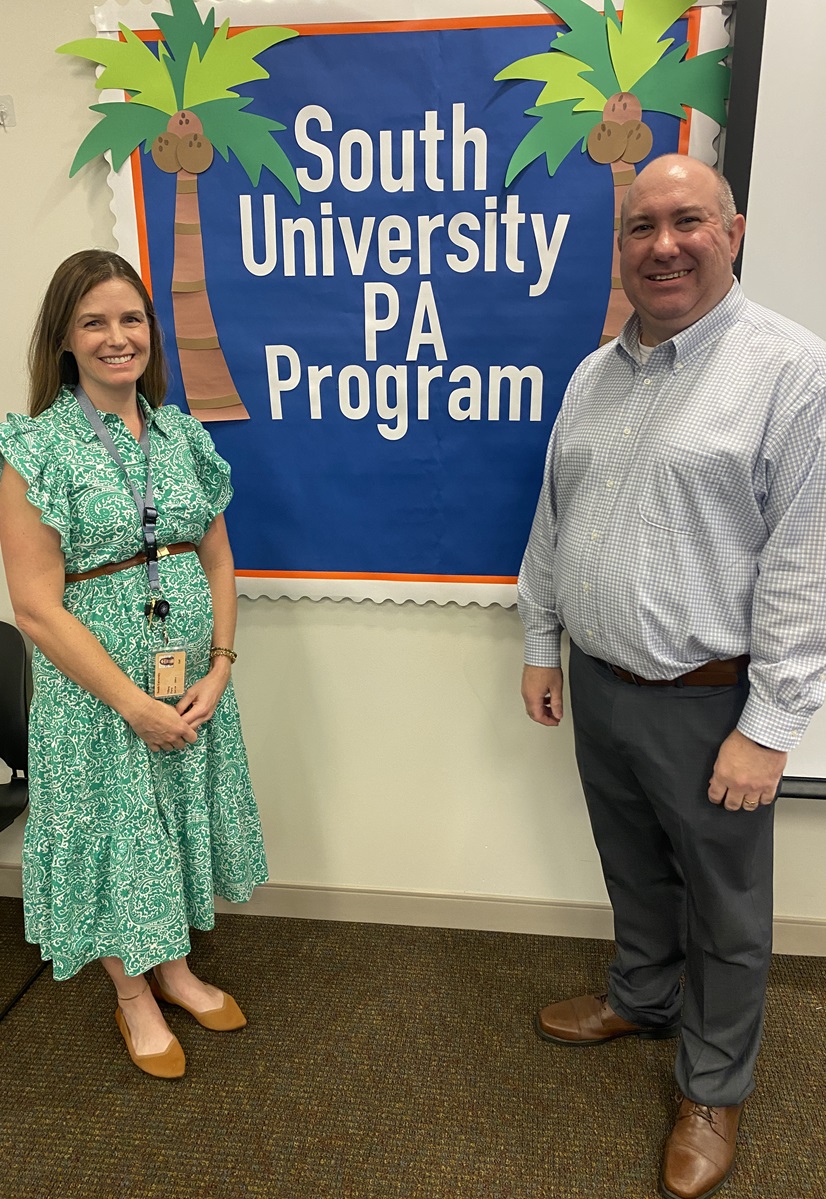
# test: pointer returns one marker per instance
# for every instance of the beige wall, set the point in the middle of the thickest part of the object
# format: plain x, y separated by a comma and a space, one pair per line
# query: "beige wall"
388, 744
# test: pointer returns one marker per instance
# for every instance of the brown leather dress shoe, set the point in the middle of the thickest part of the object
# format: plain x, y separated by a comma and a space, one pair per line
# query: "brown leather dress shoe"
699, 1154
588, 1020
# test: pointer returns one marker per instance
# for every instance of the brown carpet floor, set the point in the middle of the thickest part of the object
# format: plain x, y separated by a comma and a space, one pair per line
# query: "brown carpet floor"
18, 961
379, 1063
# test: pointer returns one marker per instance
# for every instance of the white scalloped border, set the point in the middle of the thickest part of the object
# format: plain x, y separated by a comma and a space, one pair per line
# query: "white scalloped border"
380, 591
135, 14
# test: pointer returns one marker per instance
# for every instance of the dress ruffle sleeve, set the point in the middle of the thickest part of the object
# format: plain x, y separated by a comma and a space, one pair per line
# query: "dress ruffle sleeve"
26, 443
211, 471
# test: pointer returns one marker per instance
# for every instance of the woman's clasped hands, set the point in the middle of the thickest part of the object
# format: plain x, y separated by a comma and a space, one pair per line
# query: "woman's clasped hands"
198, 705
160, 725
164, 726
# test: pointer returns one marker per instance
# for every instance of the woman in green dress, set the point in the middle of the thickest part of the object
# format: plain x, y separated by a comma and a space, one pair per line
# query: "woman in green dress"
120, 571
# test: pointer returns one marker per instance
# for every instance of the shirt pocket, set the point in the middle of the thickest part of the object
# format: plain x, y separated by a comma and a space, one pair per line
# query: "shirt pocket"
684, 489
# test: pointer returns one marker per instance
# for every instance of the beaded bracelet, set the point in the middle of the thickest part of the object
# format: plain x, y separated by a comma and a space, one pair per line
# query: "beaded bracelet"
218, 651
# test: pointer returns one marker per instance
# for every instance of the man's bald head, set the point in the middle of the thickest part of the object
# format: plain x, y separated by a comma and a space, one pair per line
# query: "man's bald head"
679, 235
668, 164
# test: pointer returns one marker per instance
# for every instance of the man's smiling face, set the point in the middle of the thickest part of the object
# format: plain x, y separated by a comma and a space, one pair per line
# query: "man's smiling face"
675, 251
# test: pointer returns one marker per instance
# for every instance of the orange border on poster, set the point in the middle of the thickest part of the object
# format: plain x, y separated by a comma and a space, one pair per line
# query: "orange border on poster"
503, 22
693, 32
154, 35
382, 578
140, 219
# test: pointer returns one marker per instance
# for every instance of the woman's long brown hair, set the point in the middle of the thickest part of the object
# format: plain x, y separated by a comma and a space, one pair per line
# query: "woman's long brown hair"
51, 364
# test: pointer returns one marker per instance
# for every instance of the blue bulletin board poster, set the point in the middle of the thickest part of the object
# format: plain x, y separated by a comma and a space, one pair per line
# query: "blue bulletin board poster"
378, 320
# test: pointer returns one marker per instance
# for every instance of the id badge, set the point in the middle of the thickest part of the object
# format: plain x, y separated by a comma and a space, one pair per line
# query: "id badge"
168, 671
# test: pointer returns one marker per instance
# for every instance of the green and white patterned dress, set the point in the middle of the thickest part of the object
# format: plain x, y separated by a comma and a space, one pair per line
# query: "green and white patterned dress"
124, 848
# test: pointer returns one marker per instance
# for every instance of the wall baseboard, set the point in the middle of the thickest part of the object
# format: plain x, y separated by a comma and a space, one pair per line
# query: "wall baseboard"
484, 913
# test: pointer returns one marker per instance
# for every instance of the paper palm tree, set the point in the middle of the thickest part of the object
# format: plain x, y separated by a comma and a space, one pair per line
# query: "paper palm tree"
181, 109
618, 70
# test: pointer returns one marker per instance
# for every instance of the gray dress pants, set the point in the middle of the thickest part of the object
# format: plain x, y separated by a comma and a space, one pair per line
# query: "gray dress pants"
690, 882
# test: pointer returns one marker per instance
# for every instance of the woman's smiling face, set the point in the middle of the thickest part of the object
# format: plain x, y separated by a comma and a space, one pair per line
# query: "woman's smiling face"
109, 336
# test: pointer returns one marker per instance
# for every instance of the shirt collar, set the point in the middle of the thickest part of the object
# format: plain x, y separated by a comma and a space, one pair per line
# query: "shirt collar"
67, 406
154, 417
697, 336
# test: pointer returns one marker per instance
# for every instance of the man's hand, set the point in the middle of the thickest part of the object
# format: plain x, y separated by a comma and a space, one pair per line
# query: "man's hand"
542, 693
745, 774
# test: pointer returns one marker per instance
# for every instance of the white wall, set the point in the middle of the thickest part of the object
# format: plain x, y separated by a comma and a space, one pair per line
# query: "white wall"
389, 748
784, 260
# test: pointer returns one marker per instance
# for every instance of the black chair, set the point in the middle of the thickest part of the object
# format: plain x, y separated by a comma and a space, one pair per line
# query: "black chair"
15, 697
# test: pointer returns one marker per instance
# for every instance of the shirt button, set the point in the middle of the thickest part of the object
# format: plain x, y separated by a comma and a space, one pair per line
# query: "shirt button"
647, 382
610, 483
586, 586
589, 632
678, 366
595, 536
626, 431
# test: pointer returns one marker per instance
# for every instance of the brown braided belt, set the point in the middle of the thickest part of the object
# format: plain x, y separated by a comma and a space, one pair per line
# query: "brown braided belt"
110, 568
718, 673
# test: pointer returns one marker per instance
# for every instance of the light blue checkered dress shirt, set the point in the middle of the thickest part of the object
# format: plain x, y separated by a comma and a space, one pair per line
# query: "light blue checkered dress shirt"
683, 512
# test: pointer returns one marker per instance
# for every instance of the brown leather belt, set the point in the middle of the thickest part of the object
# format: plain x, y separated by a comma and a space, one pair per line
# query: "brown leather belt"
110, 568
717, 673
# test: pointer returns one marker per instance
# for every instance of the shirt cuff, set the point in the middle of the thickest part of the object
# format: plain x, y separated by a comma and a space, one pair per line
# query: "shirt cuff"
770, 726
543, 650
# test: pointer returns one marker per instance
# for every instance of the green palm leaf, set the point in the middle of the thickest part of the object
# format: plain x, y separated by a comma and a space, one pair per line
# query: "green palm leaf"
130, 66
611, 13
587, 41
123, 128
702, 82
562, 77
229, 61
635, 45
250, 139
555, 134
183, 29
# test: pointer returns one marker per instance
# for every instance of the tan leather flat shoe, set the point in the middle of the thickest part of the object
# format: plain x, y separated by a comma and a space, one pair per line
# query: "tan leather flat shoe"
225, 1018
169, 1064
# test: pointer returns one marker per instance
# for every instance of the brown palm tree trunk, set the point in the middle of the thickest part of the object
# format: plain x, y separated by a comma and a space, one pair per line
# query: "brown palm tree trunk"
619, 309
208, 386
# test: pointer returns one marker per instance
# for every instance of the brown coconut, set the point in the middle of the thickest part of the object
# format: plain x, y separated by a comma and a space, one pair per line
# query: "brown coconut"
165, 152
623, 106
195, 153
184, 122
640, 141
607, 141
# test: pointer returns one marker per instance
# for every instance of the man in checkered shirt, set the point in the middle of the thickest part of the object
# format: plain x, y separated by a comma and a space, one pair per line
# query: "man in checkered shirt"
680, 539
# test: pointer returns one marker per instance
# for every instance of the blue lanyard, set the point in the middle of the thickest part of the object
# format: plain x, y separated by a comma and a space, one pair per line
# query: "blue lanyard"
147, 511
